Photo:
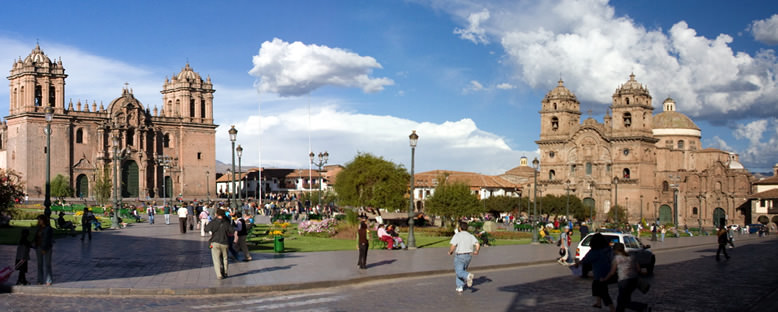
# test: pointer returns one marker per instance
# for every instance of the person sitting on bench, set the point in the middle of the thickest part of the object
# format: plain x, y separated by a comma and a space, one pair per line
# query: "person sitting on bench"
65, 225
384, 236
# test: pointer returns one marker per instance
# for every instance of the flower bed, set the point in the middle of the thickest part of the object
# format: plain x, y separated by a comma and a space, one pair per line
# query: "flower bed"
324, 228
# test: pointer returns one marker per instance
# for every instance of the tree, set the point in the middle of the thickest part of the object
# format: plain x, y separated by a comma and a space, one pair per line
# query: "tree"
103, 184
622, 214
11, 189
453, 200
371, 181
497, 204
60, 187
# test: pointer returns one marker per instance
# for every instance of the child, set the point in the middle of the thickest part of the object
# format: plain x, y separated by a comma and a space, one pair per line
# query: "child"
22, 257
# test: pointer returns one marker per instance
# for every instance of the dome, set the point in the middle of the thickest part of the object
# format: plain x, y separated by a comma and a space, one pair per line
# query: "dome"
188, 74
560, 93
673, 120
632, 86
37, 56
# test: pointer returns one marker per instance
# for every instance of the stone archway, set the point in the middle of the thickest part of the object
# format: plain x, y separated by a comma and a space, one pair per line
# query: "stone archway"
763, 219
775, 220
665, 214
719, 217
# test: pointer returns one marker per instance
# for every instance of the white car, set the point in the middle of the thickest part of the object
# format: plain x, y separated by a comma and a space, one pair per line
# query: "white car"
632, 244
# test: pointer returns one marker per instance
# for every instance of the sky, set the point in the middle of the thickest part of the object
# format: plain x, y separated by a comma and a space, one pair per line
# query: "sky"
351, 77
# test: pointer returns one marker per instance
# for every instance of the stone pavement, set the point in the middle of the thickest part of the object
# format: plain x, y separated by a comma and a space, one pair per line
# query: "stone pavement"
145, 259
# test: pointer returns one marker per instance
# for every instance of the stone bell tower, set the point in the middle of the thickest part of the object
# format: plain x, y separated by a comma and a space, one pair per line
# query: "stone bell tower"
36, 83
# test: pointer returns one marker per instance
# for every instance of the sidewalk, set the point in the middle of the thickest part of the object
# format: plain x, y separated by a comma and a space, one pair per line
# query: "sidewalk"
146, 259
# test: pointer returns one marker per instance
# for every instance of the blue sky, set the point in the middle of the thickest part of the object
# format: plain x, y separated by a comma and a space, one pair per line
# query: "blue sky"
358, 76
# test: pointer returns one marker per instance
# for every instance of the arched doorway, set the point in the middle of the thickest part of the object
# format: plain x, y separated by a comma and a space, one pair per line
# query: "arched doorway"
130, 179
719, 217
762, 219
82, 186
775, 220
589, 205
168, 187
665, 214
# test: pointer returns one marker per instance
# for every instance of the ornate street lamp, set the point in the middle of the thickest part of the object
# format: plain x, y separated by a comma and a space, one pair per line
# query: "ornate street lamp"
414, 138
323, 158
207, 186
699, 216
239, 150
616, 199
47, 202
567, 206
164, 162
535, 166
233, 136
115, 218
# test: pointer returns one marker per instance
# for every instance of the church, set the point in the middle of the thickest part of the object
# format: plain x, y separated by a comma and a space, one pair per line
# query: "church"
157, 153
653, 165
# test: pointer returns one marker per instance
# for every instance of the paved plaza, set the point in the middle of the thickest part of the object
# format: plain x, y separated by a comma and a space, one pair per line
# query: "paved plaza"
145, 259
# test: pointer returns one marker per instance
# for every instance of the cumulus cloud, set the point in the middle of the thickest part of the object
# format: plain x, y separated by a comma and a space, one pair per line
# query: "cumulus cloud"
752, 131
474, 86
474, 32
760, 154
294, 69
505, 86
719, 143
765, 30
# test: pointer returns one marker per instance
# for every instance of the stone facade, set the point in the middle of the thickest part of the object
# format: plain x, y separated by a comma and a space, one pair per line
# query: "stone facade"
640, 157
82, 135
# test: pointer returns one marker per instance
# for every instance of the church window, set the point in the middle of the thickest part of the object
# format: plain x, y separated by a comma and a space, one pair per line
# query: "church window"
694, 210
680, 144
572, 169
166, 140
131, 137
177, 108
202, 108
80, 136
665, 186
669, 143
551, 154
627, 99
554, 123
627, 120
626, 152
191, 107
199, 155
38, 96
551, 174
588, 168
51, 95
554, 106
625, 173
608, 168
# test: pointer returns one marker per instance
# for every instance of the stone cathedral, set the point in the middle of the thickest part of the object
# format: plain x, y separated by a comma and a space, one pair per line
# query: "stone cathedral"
83, 134
647, 163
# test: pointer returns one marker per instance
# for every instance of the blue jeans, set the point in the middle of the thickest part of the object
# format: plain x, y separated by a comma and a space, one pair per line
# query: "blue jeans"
151, 219
44, 266
461, 262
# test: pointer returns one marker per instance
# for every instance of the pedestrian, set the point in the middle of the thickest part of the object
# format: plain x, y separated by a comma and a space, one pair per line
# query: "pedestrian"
219, 240
664, 231
44, 241
464, 245
242, 230
150, 211
599, 257
731, 236
182, 213
204, 216
362, 242
584, 229
653, 232
166, 210
190, 216
86, 223
23, 257
627, 269
722, 237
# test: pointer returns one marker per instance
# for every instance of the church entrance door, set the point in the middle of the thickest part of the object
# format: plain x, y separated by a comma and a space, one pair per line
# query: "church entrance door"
665, 214
130, 179
82, 186
719, 217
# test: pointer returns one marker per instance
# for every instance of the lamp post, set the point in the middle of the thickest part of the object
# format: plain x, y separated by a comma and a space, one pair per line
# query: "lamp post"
164, 161
699, 216
47, 202
115, 217
239, 150
207, 186
323, 158
641, 209
529, 211
535, 165
591, 207
414, 138
233, 136
567, 206
616, 199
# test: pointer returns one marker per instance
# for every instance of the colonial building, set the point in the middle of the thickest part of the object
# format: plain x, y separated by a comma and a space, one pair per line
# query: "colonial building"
482, 186
168, 150
646, 163
764, 203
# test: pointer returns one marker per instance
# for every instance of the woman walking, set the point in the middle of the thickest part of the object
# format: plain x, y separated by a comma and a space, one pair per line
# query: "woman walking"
627, 269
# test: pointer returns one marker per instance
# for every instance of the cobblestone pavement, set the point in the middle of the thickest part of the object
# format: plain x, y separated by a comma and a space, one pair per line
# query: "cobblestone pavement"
686, 279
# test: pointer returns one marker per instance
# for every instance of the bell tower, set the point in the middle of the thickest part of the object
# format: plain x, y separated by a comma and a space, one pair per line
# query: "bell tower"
188, 96
632, 110
560, 111
36, 83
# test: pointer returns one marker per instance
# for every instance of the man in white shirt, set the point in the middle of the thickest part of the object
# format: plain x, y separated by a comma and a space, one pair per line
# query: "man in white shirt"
463, 246
182, 213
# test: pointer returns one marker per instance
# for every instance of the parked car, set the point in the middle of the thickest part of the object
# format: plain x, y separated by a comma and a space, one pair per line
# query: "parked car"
632, 244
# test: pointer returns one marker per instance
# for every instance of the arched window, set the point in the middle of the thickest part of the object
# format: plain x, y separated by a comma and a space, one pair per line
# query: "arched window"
51, 95
554, 123
166, 140
177, 108
627, 100
694, 210
79, 136
554, 106
191, 107
665, 186
551, 174
627, 119
38, 96
680, 144
202, 108
625, 173
130, 137
588, 168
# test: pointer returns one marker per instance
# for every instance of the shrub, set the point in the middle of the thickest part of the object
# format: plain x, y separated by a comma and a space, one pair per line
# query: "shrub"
350, 217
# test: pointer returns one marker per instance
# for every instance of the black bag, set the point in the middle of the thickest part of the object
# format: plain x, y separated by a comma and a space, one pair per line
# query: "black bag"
561, 252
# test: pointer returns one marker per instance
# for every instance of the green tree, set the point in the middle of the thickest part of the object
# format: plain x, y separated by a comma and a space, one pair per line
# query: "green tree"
60, 187
498, 204
622, 214
371, 181
453, 201
103, 185
11, 189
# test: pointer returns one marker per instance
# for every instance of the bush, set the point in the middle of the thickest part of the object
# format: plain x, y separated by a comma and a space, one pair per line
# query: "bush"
314, 216
351, 217
524, 227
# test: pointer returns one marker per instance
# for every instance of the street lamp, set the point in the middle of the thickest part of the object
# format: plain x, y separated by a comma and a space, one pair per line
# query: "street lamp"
567, 206
239, 150
115, 217
641, 209
233, 136
207, 186
591, 206
323, 158
164, 161
699, 215
47, 202
529, 211
616, 199
535, 165
414, 138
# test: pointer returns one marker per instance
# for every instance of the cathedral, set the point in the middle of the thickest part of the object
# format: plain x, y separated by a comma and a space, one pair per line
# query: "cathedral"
652, 165
153, 153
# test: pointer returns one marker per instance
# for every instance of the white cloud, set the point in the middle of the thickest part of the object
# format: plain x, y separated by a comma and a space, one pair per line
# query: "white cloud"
760, 154
293, 69
474, 32
474, 86
766, 30
752, 131
719, 143
505, 86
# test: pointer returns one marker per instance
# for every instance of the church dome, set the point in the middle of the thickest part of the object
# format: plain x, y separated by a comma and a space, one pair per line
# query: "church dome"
632, 86
188, 74
37, 56
671, 122
560, 92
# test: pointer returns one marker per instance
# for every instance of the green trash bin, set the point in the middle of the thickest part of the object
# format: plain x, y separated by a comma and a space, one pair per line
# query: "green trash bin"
278, 244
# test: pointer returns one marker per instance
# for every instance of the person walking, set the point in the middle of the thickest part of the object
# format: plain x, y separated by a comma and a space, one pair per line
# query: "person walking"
190, 216
44, 243
166, 210
204, 216
23, 257
599, 257
242, 229
723, 240
182, 213
86, 223
653, 232
219, 240
663, 232
362, 242
627, 269
150, 211
464, 245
